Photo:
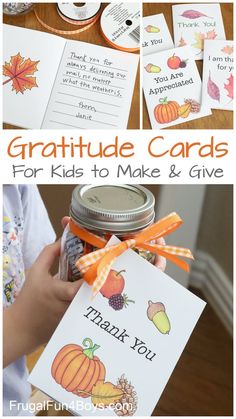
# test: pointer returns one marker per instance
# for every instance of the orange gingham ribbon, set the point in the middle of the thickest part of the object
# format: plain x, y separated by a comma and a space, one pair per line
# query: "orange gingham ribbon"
95, 266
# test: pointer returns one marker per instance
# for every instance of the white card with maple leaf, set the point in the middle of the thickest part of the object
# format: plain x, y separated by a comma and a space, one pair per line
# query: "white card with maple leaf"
173, 88
30, 62
53, 83
156, 34
218, 74
106, 348
194, 23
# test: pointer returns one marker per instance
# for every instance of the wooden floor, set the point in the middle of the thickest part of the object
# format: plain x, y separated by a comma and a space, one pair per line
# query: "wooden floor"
201, 384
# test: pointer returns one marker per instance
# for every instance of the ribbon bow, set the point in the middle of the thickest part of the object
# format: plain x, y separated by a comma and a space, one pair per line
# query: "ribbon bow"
95, 266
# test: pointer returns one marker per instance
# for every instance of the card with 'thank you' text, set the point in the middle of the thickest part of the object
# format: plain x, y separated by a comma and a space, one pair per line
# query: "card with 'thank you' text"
195, 23
156, 35
114, 354
69, 84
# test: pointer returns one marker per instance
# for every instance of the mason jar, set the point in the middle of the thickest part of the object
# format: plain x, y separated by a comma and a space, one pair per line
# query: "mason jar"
105, 210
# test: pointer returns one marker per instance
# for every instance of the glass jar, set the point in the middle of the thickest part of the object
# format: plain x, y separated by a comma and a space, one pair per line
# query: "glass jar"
122, 210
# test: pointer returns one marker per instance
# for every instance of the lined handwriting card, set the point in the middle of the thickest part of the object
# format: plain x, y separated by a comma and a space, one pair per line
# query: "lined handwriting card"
105, 348
156, 35
195, 23
49, 82
172, 88
218, 74
93, 88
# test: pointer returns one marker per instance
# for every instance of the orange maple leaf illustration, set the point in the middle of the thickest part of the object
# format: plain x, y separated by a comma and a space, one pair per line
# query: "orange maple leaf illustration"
228, 50
20, 71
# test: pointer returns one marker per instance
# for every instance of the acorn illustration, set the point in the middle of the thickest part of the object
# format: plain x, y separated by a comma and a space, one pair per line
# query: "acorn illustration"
156, 312
151, 68
152, 29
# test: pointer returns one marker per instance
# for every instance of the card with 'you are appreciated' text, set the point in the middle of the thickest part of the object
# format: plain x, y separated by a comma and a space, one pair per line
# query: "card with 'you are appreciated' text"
172, 88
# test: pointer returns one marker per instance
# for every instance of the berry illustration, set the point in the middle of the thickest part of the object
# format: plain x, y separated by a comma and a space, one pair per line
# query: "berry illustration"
183, 64
174, 62
114, 284
119, 301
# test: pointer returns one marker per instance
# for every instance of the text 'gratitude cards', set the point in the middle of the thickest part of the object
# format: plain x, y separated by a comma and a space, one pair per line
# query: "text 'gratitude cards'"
106, 348
218, 78
156, 35
172, 88
194, 23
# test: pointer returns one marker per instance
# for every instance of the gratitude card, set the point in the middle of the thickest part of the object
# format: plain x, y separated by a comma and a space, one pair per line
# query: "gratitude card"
106, 348
50, 82
195, 23
30, 63
93, 88
156, 35
172, 88
218, 78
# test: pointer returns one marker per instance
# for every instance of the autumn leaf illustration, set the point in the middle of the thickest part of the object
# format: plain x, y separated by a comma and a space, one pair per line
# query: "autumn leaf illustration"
182, 42
228, 50
200, 38
212, 89
230, 86
19, 71
105, 393
211, 34
194, 14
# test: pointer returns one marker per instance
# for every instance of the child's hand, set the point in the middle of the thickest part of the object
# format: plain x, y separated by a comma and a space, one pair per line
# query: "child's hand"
39, 307
160, 260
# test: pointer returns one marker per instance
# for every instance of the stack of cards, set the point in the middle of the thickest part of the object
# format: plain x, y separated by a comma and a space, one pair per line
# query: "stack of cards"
172, 85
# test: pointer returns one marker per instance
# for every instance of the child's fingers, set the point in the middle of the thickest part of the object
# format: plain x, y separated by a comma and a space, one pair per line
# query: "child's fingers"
64, 221
160, 260
48, 255
161, 263
66, 291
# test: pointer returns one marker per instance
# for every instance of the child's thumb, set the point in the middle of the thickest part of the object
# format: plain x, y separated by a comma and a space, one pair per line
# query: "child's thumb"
48, 255
66, 291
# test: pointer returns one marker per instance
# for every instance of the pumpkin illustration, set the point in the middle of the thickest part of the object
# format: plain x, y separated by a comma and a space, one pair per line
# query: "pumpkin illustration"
166, 111
77, 369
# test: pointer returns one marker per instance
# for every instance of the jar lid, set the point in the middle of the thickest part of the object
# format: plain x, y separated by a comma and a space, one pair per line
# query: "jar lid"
112, 208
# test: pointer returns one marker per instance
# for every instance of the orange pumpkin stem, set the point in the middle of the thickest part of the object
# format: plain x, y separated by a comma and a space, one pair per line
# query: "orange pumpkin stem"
89, 352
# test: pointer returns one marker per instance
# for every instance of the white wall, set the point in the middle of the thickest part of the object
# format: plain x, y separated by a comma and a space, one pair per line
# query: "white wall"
187, 201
